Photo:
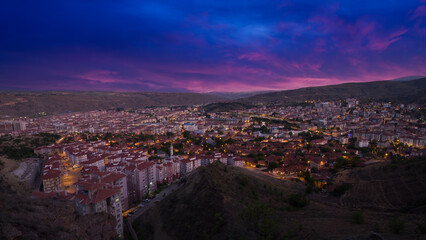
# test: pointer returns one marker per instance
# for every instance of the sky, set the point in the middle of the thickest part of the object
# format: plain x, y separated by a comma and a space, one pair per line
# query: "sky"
208, 45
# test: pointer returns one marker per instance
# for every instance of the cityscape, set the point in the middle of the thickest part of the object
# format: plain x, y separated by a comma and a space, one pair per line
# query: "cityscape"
115, 161
213, 120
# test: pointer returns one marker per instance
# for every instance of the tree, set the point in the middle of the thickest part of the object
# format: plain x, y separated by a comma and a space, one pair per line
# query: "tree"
298, 200
186, 135
373, 143
107, 136
272, 166
264, 129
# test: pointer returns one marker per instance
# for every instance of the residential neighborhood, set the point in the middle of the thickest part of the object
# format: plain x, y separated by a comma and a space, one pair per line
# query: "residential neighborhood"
111, 161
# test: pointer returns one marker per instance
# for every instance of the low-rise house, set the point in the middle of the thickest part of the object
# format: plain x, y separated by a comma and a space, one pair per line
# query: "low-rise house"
235, 161
319, 142
362, 143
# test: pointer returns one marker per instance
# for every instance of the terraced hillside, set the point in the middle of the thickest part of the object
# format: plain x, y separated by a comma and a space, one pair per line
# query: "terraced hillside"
390, 187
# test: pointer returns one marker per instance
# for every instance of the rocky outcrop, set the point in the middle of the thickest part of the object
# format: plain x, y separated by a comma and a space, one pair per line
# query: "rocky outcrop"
24, 218
28, 171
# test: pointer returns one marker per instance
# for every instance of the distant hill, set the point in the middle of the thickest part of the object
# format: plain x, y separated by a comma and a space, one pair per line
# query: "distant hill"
237, 95
224, 202
413, 91
225, 106
407, 78
25, 103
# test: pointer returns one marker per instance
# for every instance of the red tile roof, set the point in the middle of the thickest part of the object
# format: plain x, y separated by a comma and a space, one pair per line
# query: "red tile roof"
50, 174
112, 177
103, 194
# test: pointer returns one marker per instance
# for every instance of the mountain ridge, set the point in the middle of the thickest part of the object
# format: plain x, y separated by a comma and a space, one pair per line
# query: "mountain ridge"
413, 91
28, 103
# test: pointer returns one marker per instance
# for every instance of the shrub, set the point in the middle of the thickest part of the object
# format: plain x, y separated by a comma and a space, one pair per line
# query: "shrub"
397, 226
358, 217
340, 190
242, 181
298, 200
376, 227
308, 189
421, 227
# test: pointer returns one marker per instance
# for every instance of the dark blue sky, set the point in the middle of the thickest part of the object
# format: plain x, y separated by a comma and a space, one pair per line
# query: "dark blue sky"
208, 45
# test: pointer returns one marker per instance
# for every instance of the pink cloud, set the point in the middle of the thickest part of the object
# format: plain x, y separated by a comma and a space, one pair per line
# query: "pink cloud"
303, 66
254, 57
380, 43
319, 45
102, 76
353, 37
354, 61
418, 17
419, 12
327, 25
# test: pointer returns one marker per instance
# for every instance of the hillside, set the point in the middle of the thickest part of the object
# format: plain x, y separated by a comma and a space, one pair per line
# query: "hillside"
389, 187
413, 91
225, 107
407, 78
237, 95
224, 202
21, 103
24, 218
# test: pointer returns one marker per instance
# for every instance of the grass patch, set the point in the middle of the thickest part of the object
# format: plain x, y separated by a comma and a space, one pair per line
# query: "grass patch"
298, 200
358, 217
396, 226
421, 228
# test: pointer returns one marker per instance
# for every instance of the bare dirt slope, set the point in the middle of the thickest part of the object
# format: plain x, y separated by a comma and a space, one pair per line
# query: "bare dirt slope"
388, 187
223, 202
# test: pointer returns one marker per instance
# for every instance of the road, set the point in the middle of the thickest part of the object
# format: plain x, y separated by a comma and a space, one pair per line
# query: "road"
69, 175
147, 205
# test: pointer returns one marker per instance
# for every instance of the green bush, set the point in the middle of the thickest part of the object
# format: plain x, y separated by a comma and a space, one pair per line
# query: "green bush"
397, 226
242, 180
358, 217
340, 190
421, 227
298, 200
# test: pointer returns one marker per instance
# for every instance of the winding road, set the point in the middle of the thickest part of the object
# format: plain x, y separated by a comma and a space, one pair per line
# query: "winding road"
147, 205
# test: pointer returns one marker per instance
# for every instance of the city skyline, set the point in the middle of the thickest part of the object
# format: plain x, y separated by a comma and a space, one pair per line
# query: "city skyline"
204, 46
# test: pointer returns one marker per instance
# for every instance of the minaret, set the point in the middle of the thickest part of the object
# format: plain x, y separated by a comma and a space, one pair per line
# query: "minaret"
171, 150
